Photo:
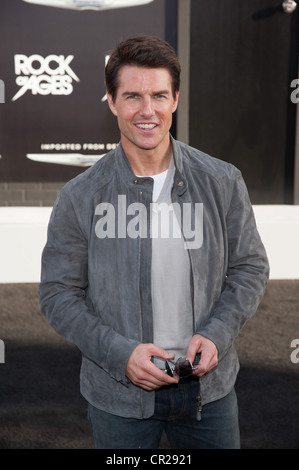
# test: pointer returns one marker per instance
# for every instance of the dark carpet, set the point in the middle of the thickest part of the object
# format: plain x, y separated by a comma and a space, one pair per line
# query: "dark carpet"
41, 406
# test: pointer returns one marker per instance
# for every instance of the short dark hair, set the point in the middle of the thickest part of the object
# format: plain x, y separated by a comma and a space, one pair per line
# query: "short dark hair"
142, 51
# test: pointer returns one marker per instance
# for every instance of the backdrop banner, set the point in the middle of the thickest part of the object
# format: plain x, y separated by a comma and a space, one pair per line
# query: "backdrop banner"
54, 116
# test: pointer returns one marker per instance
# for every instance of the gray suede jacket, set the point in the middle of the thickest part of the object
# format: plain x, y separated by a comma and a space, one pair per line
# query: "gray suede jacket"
95, 290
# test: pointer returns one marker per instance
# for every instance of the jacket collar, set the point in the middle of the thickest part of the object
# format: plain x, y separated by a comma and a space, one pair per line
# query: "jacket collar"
126, 172
180, 181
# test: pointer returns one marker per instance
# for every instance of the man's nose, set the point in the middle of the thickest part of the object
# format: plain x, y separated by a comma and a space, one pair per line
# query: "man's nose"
147, 107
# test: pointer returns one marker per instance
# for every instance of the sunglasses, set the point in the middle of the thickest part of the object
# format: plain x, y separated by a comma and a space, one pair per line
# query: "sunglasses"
181, 368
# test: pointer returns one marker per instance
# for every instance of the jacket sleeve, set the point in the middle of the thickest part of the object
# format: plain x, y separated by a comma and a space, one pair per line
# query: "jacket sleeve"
247, 272
62, 292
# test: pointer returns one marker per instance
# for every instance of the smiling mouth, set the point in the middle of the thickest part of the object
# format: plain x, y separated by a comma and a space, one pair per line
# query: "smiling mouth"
146, 126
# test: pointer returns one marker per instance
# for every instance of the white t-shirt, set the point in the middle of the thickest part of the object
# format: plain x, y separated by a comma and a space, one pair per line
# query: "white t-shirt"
170, 281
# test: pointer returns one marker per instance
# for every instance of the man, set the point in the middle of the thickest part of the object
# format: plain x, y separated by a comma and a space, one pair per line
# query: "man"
152, 254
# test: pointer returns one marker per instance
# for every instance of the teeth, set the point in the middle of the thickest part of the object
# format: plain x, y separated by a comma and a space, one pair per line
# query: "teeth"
146, 126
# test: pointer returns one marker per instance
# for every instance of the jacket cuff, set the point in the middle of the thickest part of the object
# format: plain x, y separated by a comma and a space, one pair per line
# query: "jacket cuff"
216, 332
118, 355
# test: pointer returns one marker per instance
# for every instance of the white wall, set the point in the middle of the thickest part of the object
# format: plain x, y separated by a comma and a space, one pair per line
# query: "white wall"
23, 232
279, 230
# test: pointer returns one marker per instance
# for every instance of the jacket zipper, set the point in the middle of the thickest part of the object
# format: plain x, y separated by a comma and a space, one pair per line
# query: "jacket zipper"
140, 297
198, 397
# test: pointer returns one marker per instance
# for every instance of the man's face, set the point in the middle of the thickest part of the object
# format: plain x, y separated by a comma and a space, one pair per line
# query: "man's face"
144, 105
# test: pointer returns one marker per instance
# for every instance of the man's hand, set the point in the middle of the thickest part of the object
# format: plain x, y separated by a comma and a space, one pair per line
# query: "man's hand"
209, 354
143, 372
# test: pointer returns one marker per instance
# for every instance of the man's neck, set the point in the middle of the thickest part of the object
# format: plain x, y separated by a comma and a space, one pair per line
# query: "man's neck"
146, 162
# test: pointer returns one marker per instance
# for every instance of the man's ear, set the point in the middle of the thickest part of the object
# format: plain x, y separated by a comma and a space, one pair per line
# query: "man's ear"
111, 104
176, 101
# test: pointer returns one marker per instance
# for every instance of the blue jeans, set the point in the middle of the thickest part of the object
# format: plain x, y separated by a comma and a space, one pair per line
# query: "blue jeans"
175, 412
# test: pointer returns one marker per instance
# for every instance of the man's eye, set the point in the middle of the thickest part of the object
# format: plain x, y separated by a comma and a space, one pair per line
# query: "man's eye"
160, 96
